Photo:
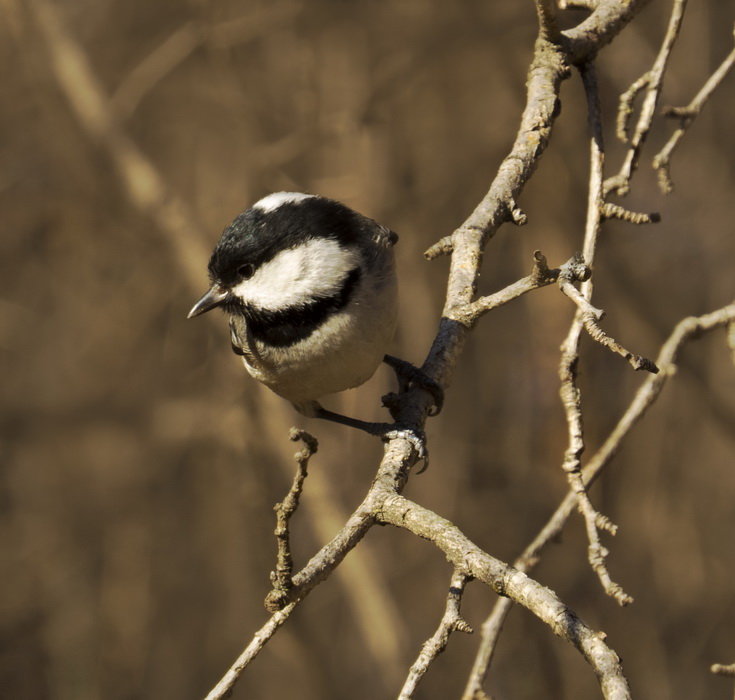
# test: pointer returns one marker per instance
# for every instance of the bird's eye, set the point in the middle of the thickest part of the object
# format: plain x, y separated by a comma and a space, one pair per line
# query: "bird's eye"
246, 271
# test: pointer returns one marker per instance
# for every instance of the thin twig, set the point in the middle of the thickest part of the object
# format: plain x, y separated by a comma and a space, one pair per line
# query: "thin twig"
615, 211
687, 329
686, 115
451, 621
582, 303
637, 362
541, 276
587, 317
441, 247
724, 670
651, 82
281, 576
260, 639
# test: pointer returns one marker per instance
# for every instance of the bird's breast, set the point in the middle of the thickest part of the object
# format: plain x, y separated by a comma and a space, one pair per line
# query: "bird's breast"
313, 356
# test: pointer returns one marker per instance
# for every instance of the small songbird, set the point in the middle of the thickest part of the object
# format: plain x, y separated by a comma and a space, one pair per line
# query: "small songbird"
310, 289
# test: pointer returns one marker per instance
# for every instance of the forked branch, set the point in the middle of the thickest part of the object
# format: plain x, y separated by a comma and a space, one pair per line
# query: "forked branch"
686, 115
686, 330
651, 82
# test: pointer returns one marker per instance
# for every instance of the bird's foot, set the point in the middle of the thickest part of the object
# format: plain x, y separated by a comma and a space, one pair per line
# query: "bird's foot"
409, 374
417, 438
385, 431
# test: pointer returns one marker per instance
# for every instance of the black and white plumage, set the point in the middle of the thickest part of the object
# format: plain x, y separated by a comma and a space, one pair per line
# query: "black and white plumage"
310, 289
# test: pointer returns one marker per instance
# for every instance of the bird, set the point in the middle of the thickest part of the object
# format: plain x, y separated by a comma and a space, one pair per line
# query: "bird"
310, 289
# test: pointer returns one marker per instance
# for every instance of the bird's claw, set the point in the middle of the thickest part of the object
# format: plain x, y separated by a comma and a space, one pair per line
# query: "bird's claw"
417, 438
409, 374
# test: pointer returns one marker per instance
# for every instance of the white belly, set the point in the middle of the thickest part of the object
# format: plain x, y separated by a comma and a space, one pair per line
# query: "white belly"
342, 353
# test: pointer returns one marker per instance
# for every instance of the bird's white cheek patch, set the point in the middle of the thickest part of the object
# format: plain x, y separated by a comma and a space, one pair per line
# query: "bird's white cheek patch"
313, 270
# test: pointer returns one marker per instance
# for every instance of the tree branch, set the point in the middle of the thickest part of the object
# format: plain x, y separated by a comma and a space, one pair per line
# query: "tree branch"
686, 115
147, 191
281, 577
651, 82
541, 276
549, 67
451, 621
723, 670
260, 639
467, 557
182, 42
686, 330
587, 317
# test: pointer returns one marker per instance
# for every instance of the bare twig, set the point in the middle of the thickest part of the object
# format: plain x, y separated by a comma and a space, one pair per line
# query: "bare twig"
687, 329
451, 621
441, 247
582, 303
637, 362
686, 115
281, 577
723, 670
587, 317
541, 276
615, 211
651, 82
467, 557
590, 315
260, 639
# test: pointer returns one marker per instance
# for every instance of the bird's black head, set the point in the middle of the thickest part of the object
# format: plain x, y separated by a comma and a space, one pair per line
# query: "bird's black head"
278, 222
311, 239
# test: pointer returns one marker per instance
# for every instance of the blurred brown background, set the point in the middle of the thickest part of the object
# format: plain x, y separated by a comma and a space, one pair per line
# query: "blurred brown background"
140, 464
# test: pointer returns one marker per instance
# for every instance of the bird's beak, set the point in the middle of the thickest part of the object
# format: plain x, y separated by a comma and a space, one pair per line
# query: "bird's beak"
211, 299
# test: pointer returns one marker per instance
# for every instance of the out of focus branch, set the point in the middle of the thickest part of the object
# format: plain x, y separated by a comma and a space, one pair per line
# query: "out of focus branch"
148, 192
143, 184
723, 670
686, 115
181, 43
686, 330
652, 82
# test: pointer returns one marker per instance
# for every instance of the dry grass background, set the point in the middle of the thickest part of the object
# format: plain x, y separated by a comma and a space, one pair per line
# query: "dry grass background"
137, 478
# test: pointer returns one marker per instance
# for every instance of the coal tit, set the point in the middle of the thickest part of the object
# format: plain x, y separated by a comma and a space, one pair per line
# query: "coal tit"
309, 286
